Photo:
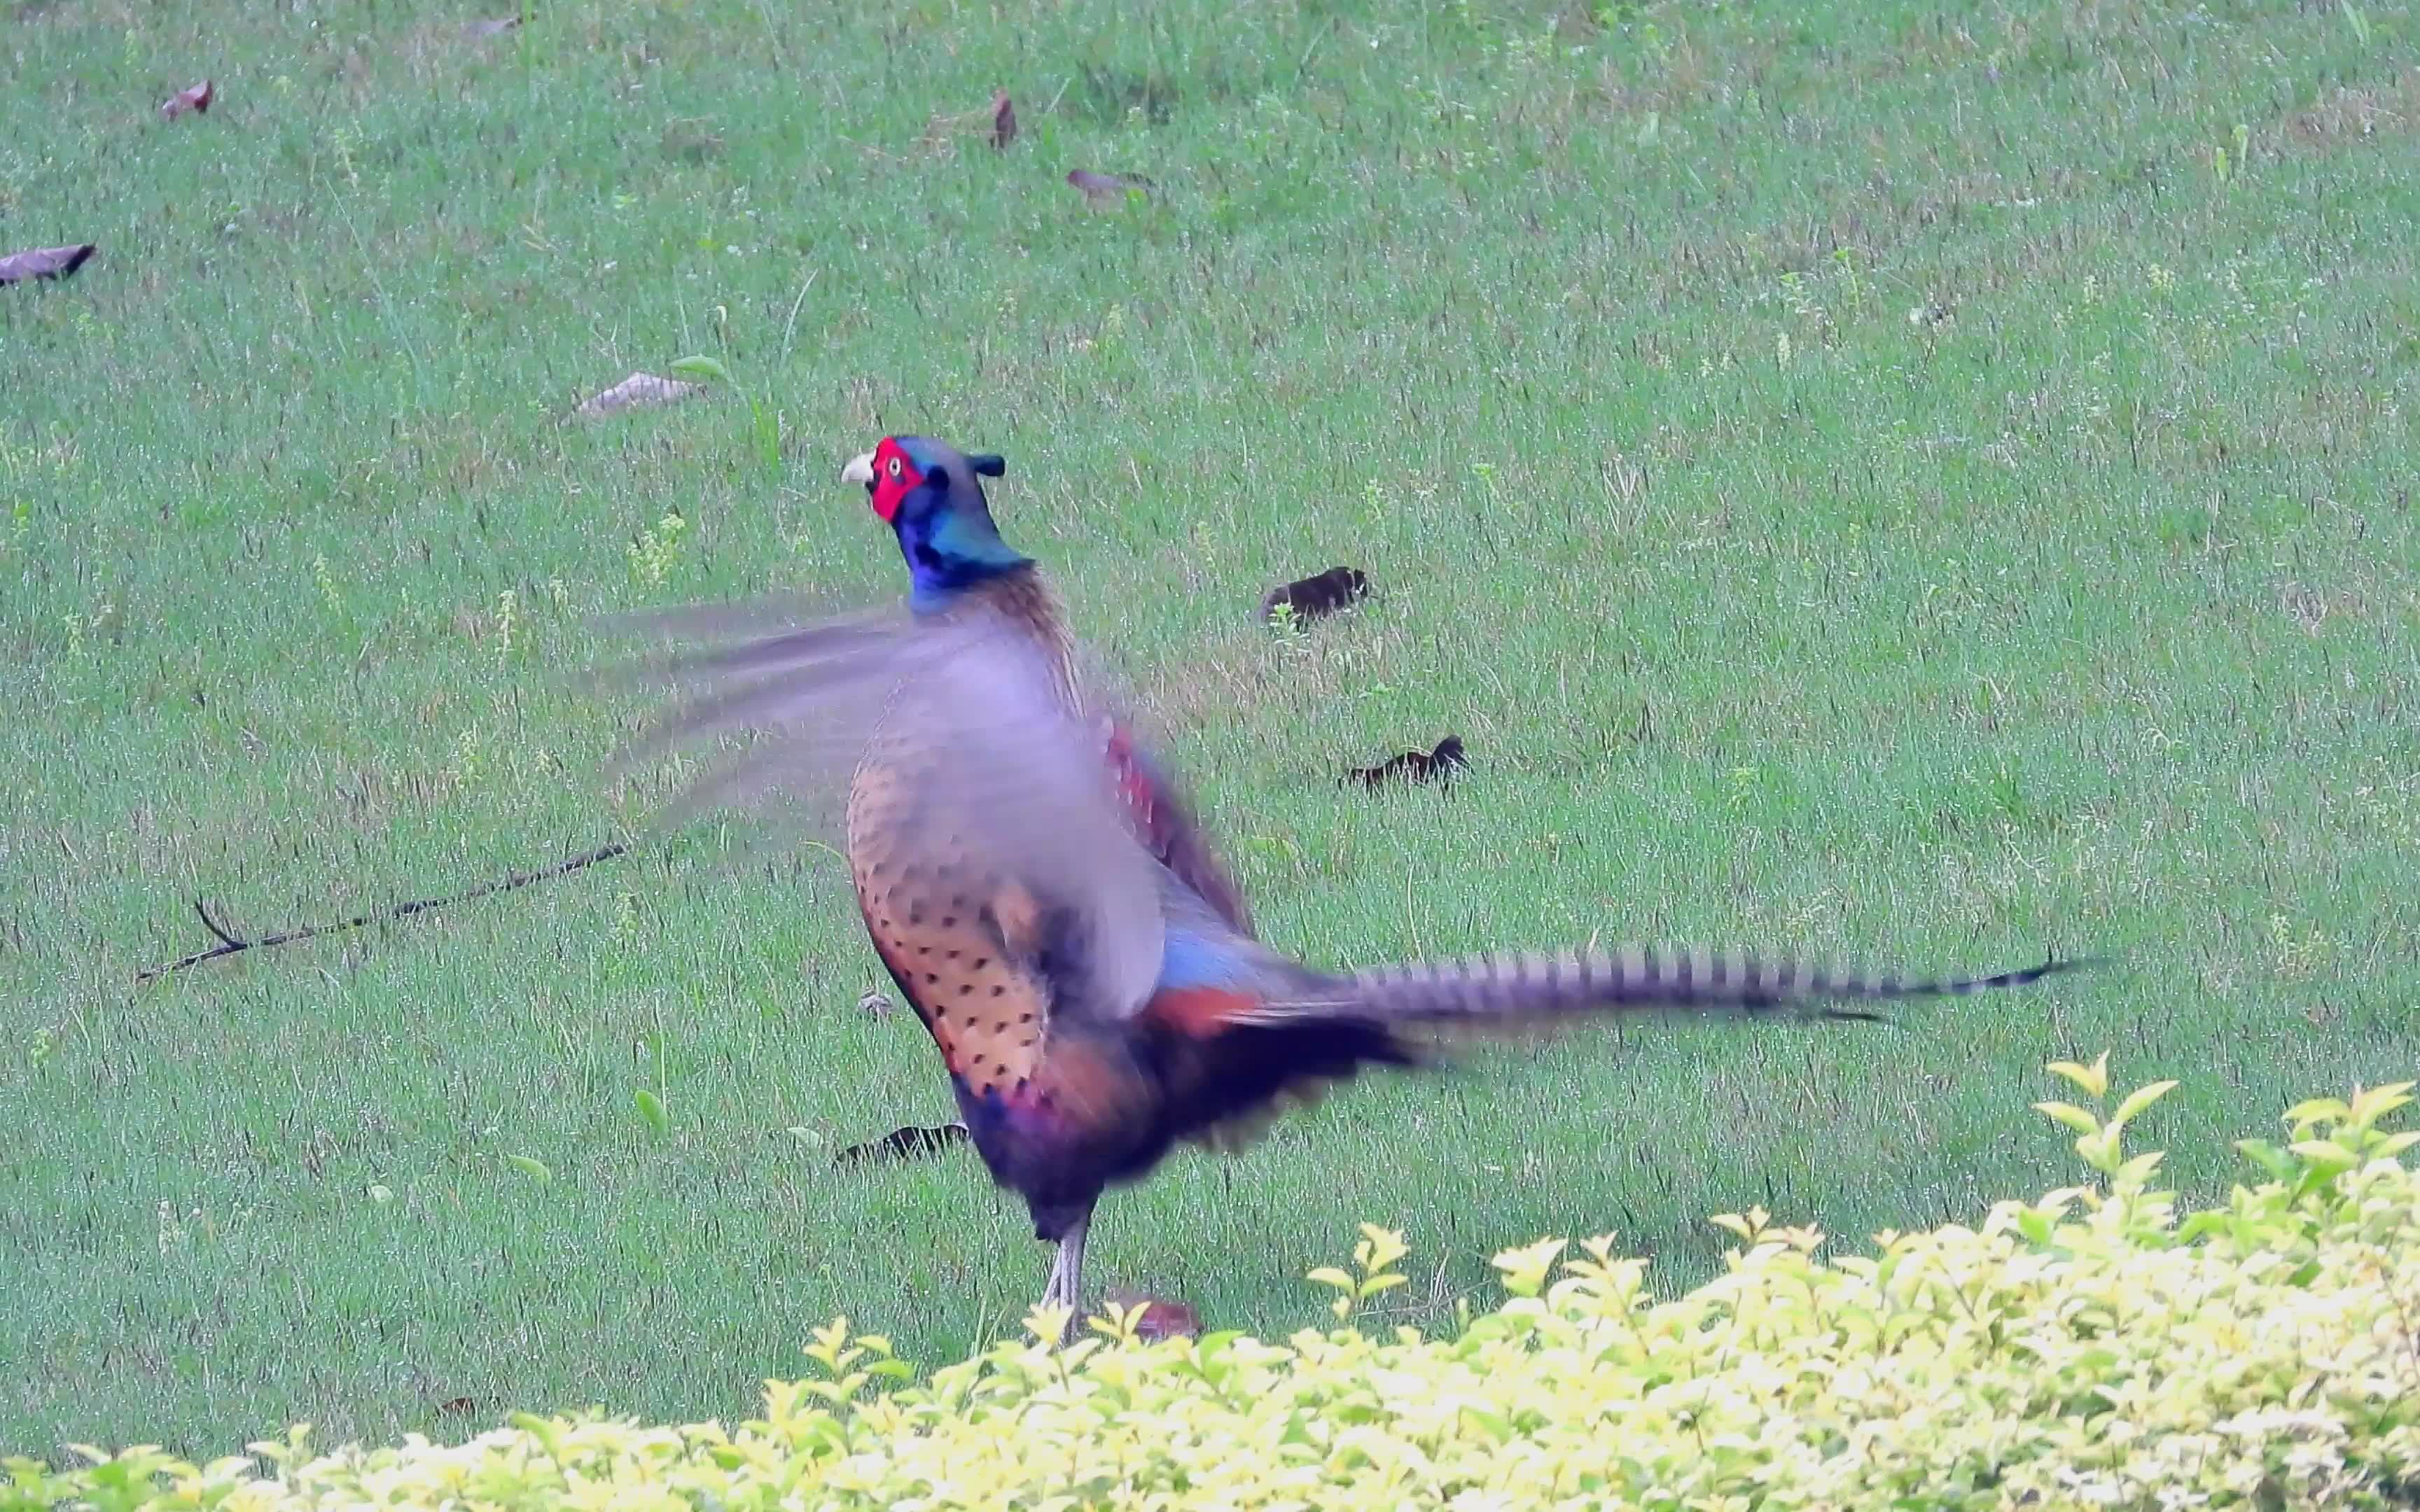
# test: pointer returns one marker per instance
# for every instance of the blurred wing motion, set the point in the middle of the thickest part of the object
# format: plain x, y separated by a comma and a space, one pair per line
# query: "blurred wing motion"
949, 740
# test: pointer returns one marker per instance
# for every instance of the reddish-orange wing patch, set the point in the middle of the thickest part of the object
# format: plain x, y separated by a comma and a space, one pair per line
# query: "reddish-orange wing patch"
1198, 1012
1160, 822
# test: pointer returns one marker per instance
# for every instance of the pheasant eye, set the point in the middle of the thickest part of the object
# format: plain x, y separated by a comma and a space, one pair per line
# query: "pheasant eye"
894, 470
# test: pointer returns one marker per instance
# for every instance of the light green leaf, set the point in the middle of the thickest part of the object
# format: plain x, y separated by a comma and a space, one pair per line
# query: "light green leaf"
651, 1110
2140, 1099
2073, 1117
2093, 1080
2268, 1157
701, 367
535, 1169
2370, 1106
2325, 1155
2319, 1110
1496, 1424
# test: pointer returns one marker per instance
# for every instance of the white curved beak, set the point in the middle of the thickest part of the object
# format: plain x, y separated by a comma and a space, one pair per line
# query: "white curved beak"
859, 468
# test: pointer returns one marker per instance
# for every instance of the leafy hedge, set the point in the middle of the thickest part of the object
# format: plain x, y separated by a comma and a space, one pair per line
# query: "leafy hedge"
2094, 1349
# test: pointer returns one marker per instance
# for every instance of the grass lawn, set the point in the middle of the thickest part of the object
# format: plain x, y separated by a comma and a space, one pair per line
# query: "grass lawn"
1919, 484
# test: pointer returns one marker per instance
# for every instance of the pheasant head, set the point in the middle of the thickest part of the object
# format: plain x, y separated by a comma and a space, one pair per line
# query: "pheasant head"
929, 494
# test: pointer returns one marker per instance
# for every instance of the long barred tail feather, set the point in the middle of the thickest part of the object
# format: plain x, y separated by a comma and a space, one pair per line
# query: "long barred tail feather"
1512, 992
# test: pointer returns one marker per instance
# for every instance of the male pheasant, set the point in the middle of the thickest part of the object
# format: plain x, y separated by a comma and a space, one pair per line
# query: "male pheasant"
932, 498
1093, 1006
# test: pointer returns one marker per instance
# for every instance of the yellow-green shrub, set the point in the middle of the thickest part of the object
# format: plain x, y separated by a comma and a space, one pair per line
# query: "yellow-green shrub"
2088, 1350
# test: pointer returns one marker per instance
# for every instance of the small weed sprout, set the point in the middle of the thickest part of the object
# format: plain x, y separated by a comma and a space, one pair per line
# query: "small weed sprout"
2297, 957
657, 548
1376, 1260
103, 623
508, 620
470, 756
1852, 288
324, 578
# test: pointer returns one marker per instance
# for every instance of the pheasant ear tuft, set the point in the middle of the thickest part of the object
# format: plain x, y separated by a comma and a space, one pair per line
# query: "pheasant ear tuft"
990, 464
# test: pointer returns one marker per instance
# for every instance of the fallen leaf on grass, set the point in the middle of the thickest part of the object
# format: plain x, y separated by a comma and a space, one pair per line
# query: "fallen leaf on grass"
638, 391
1160, 1319
492, 26
458, 1406
43, 262
877, 1003
196, 98
1003, 120
1322, 594
1437, 766
1103, 191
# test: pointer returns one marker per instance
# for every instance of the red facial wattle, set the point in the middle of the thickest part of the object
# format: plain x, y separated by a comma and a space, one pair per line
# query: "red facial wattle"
895, 474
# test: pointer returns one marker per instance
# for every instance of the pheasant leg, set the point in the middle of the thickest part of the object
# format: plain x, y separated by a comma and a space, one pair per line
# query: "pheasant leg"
1067, 1285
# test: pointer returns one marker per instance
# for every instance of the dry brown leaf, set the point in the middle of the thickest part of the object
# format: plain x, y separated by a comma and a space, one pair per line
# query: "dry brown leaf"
43, 262
196, 98
638, 391
1003, 120
1161, 1318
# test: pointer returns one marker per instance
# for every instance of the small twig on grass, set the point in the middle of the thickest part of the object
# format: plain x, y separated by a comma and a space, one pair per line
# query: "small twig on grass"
212, 924
230, 944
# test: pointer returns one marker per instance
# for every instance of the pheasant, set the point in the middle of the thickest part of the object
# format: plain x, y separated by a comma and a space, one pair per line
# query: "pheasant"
932, 498
1093, 1009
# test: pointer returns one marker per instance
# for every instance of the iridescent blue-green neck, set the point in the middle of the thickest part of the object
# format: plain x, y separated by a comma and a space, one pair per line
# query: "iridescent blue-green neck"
951, 549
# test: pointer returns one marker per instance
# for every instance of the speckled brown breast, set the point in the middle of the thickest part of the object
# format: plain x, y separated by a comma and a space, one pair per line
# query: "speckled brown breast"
956, 938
